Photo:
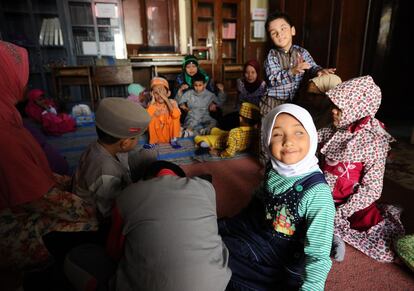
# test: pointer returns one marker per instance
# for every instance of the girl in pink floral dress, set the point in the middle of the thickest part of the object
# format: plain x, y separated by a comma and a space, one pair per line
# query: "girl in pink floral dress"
354, 152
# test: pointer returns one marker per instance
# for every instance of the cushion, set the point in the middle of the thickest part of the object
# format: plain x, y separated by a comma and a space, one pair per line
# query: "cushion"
404, 247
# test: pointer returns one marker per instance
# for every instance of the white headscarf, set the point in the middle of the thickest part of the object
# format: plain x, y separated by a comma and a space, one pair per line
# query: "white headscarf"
309, 162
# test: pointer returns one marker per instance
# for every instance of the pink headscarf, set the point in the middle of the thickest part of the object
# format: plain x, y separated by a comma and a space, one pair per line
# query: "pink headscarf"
14, 72
24, 171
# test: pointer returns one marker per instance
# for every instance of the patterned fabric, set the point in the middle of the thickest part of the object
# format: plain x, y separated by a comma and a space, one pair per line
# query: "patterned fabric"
360, 138
266, 105
22, 227
164, 125
281, 83
14, 74
239, 140
24, 171
230, 142
405, 250
250, 111
251, 97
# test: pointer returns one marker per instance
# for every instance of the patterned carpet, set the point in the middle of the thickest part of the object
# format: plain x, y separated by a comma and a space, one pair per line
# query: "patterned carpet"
71, 145
399, 168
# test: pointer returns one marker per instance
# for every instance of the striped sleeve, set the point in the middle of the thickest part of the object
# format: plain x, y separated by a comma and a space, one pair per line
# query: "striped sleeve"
318, 208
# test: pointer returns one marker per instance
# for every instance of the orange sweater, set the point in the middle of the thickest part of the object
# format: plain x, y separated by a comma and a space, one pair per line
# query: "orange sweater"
164, 124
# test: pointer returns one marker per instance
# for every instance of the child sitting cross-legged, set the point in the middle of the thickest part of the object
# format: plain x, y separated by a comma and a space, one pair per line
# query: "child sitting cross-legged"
165, 115
198, 103
226, 144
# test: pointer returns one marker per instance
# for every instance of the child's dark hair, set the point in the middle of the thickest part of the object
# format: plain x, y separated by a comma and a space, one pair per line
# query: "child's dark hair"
199, 77
250, 122
276, 15
106, 138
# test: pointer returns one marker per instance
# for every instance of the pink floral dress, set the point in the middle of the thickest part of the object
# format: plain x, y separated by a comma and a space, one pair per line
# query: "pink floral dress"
353, 161
22, 226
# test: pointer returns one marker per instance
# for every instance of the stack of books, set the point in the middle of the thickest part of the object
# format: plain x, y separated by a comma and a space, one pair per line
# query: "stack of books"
51, 32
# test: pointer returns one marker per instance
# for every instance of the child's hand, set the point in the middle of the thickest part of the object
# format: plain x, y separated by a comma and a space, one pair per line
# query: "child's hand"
326, 71
184, 107
220, 87
183, 87
301, 66
162, 92
212, 107
142, 97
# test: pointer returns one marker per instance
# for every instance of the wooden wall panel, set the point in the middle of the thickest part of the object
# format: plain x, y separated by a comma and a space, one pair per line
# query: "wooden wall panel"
318, 28
351, 32
297, 11
132, 21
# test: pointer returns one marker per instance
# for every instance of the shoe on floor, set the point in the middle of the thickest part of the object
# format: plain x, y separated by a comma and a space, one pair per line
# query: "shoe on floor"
175, 145
149, 146
338, 249
204, 131
188, 133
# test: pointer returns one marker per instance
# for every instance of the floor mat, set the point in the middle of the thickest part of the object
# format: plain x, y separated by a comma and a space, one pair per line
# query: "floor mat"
72, 145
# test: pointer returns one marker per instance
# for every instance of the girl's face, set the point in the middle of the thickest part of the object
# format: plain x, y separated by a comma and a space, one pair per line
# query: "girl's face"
289, 142
191, 69
250, 74
281, 33
336, 116
158, 91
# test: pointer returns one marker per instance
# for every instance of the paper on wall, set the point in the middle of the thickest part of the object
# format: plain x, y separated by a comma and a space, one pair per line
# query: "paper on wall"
89, 48
106, 10
258, 29
107, 48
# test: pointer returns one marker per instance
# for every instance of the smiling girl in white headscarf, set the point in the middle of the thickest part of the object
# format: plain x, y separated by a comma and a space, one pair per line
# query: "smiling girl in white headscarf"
282, 240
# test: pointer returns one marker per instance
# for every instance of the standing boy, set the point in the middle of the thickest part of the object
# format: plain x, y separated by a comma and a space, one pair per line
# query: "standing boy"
285, 66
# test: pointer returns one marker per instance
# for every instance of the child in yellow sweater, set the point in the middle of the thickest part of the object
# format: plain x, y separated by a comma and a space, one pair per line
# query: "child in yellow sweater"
226, 144
165, 115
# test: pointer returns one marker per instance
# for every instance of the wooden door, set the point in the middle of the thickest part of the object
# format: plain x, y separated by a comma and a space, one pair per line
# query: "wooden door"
333, 31
218, 31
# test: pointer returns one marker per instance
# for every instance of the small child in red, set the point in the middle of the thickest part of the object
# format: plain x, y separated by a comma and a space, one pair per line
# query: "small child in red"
44, 111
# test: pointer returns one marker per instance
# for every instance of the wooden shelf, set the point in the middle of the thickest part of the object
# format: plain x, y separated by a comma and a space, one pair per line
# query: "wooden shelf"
222, 21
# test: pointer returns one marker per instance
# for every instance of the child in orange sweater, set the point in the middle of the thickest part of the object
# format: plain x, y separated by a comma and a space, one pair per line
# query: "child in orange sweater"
165, 115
